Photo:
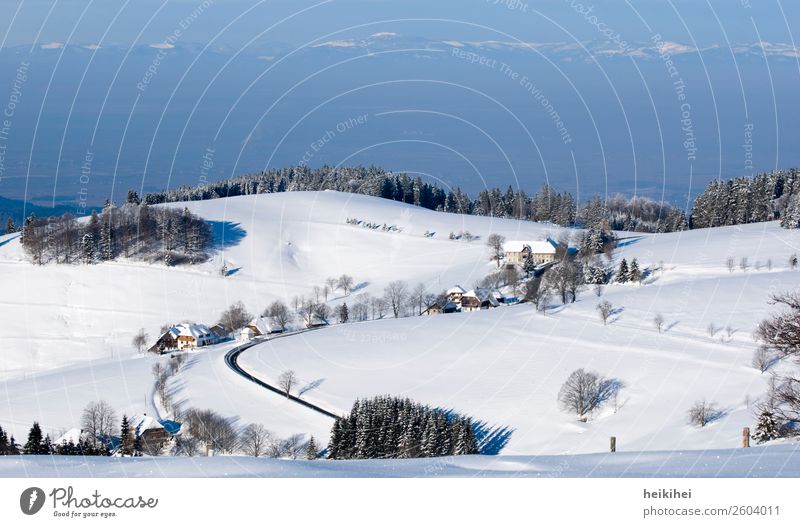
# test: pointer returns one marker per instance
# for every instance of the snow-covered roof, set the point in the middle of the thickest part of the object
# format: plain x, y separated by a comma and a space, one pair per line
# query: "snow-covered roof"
73, 434
537, 247
456, 290
190, 330
262, 324
141, 423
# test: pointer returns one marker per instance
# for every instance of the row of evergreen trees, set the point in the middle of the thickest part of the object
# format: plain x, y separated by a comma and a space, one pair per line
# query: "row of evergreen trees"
40, 444
561, 208
134, 230
764, 197
393, 427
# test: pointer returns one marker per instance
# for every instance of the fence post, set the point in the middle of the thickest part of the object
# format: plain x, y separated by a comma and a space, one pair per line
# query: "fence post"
745, 437
613, 443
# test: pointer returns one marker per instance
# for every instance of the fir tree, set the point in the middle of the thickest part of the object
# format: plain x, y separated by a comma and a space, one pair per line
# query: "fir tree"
3, 442
311, 450
622, 273
634, 274
106, 241
10, 227
528, 265
88, 248
767, 428
35, 444
126, 438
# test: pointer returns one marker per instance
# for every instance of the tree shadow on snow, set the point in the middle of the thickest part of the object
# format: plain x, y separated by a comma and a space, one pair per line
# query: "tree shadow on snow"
310, 386
8, 240
491, 439
226, 234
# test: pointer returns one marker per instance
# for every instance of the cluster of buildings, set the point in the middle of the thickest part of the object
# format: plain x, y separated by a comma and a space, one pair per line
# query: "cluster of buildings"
459, 300
187, 335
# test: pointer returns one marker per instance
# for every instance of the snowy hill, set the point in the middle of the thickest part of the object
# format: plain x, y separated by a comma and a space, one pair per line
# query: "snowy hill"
503, 367
276, 246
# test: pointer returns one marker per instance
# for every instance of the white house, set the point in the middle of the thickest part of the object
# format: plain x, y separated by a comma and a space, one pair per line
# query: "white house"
455, 293
541, 251
185, 336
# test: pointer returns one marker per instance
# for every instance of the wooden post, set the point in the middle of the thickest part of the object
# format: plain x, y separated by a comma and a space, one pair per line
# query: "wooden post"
745, 437
613, 443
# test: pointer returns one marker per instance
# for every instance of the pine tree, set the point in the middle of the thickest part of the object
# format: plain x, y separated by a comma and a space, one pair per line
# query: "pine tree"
10, 227
790, 219
766, 428
634, 274
622, 273
126, 438
106, 240
3, 442
528, 265
312, 450
88, 248
35, 444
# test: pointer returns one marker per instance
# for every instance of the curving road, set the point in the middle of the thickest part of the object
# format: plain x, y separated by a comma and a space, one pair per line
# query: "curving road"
231, 359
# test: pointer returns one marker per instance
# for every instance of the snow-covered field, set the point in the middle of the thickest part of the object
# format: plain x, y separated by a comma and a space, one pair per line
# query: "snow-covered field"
66, 335
772, 461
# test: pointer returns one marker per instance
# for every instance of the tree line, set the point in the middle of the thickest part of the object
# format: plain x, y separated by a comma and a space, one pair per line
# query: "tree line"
393, 427
134, 230
546, 205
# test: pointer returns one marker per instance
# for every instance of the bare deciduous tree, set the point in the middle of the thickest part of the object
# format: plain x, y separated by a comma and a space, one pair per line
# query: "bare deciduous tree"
781, 332
712, 330
286, 381
585, 391
658, 322
604, 309
215, 431
235, 317
279, 313
744, 264
99, 420
702, 412
495, 243
763, 359
396, 295
730, 264
345, 283
255, 440
140, 340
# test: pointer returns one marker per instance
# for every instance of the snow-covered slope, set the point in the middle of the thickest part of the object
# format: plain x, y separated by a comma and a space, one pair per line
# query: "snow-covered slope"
764, 462
275, 245
503, 367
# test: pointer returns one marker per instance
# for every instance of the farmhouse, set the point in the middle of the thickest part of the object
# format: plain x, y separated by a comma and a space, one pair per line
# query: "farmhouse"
259, 327
454, 294
477, 300
150, 432
433, 309
185, 336
542, 251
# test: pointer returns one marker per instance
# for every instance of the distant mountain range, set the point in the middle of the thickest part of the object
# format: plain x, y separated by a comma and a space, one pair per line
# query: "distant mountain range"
18, 209
388, 41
